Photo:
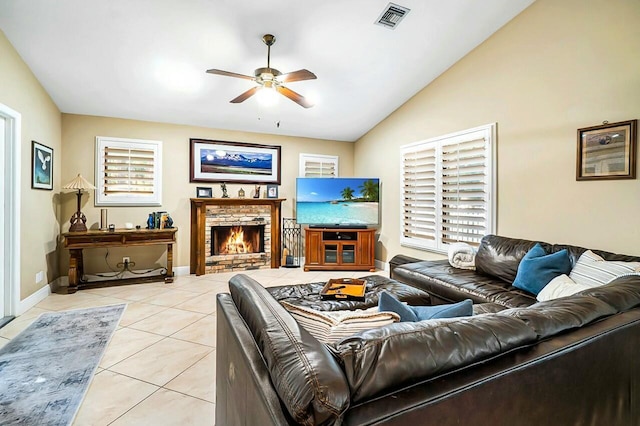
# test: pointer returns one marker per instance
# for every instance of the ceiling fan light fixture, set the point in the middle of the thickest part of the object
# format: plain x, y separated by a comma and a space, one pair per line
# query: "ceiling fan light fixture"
267, 95
270, 81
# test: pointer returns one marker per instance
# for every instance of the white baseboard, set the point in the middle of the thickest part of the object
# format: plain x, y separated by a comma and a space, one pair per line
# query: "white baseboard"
182, 270
382, 265
34, 299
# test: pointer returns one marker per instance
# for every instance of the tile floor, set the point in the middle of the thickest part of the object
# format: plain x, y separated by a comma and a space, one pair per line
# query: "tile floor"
159, 368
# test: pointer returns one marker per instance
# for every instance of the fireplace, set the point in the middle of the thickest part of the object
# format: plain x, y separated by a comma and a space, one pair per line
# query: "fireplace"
210, 216
240, 239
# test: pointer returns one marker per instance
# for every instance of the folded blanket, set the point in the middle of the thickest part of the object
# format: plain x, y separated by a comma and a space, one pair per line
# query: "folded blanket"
462, 256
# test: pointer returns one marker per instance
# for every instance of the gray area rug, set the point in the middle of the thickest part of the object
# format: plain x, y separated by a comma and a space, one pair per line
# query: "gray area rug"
45, 370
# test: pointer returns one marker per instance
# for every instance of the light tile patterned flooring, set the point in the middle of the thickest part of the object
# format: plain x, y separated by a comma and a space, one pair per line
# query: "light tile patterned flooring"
159, 368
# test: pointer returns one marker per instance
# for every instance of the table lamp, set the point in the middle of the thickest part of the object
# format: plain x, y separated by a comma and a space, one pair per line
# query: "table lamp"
78, 220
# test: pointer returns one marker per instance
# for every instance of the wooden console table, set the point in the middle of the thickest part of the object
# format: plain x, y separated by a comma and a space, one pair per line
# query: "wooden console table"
77, 241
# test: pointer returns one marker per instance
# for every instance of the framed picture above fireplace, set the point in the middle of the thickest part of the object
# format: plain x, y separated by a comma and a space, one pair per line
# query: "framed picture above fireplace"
219, 161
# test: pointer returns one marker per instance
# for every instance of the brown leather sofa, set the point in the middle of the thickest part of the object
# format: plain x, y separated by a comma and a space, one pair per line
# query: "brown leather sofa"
497, 261
569, 361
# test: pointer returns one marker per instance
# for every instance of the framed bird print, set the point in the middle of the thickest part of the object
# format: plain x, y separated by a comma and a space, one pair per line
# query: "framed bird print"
41, 166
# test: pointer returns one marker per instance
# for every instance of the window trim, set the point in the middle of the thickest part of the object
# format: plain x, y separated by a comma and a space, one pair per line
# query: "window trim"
306, 158
154, 199
489, 131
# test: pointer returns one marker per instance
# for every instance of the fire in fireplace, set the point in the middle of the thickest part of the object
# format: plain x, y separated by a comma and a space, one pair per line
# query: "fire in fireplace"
237, 239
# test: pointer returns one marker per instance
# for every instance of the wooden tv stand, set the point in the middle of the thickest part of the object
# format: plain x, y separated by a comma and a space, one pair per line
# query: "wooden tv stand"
343, 249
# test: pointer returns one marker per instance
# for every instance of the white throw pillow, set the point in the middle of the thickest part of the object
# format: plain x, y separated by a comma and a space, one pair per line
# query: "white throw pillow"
560, 286
593, 271
332, 326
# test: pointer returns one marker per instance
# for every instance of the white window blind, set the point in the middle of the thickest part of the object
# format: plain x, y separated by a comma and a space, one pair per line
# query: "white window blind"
447, 189
316, 165
128, 172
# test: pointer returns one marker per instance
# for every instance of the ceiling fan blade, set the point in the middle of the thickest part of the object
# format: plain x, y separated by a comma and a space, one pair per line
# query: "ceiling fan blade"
295, 97
296, 76
230, 74
244, 96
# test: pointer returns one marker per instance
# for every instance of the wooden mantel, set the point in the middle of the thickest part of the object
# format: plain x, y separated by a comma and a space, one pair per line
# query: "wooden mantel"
198, 225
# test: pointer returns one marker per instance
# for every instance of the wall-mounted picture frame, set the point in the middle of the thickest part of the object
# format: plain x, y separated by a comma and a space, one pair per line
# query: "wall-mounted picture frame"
607, 151
204, 192
41, 166
272, 191
235, 162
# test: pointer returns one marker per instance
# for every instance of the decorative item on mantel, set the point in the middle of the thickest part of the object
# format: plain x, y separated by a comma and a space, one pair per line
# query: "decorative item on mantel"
223, 186
256, 194
241, 193
79, 220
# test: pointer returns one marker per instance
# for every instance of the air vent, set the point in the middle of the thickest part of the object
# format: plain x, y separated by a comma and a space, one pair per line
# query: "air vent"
392, 15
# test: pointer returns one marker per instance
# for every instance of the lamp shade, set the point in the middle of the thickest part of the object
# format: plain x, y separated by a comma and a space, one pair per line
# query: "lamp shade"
79, 183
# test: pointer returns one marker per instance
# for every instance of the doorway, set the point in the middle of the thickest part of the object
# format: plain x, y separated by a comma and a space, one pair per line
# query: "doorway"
10, 125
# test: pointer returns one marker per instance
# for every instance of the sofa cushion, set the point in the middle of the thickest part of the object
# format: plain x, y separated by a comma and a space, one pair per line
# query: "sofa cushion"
420, 313
499, 257
560, 286
306, 376
405, 353
593, 271
554, 316
623, 293
537, 268
452, 284
331, 326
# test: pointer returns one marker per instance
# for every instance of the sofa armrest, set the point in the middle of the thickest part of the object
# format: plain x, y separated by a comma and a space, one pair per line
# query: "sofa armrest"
304, 373
401, 259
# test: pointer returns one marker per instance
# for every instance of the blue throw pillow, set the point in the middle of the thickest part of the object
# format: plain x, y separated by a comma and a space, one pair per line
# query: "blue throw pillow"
537, 268
419, 313
388, 303
460, 309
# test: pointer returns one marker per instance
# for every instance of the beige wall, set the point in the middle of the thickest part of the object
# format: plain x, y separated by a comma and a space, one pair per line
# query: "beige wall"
21, 91
79, 133
557, 67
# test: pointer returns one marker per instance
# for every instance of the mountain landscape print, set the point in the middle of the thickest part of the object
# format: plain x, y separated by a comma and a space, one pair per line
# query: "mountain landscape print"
223, 161
235, 162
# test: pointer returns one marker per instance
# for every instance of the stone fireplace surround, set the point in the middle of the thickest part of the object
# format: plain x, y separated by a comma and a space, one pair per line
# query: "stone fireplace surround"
208, 212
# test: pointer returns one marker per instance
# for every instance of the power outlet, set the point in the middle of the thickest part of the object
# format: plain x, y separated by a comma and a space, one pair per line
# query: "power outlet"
39, 277
126, 260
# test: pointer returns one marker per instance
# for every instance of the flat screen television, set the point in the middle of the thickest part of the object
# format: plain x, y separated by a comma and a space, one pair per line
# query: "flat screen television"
338, 202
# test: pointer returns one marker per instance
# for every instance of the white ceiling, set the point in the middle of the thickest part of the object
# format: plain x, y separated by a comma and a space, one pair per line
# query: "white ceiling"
146, 59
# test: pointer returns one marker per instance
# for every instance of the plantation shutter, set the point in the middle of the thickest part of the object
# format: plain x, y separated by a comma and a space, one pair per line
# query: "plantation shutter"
447, 184
419, 194
464, 192
314, 165
128, 172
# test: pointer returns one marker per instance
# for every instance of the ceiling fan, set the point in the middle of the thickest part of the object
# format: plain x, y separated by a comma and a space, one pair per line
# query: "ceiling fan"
271, 79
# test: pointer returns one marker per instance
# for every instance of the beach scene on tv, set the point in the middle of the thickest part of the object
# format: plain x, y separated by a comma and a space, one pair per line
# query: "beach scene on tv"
337, 201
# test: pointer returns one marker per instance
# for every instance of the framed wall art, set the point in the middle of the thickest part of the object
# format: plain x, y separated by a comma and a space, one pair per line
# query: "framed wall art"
235, 162
41, 166
607, 151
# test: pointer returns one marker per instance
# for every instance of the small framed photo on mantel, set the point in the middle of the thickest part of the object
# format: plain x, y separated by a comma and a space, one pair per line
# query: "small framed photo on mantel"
607, 151
272, 191
204, 192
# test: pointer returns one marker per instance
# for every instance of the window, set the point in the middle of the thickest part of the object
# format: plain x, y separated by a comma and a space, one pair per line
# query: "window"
128, 172
315, 165
447, 189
